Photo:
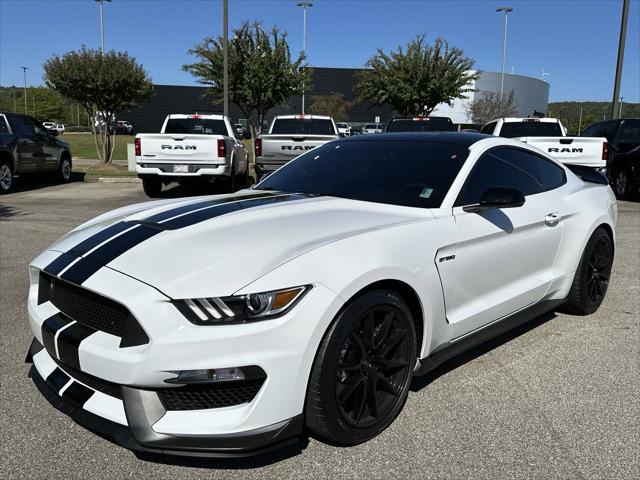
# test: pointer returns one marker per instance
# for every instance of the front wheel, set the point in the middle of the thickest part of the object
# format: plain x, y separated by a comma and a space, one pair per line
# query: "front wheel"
64, 170
152, 186
591, 279
6, 177
362, 372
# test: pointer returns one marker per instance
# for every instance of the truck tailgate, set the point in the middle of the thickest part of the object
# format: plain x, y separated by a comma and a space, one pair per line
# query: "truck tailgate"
587, 151
179, 148
285, 147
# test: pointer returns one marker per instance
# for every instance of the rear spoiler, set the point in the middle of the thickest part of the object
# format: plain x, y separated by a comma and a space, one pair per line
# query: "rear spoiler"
588, 174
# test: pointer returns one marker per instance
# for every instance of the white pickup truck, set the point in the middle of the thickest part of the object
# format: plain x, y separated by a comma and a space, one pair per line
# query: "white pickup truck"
191, 147
290, 136
549, 135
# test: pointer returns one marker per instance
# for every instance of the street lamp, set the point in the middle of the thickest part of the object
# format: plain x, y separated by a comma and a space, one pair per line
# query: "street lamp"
102, 25
506, 11
304, 6
225, 57
24, 70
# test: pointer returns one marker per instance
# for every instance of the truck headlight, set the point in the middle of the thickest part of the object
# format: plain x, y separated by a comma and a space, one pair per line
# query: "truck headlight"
240, 308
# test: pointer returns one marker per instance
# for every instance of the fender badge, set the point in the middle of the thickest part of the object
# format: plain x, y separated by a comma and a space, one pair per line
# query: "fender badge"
444, 259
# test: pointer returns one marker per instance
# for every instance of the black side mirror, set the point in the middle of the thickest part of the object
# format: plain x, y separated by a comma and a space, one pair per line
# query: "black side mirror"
246, 134
497, 197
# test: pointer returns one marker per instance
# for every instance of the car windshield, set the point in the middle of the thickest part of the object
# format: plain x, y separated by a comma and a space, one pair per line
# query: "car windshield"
530, 129
422, 125
198, 126
296, 126
408, 173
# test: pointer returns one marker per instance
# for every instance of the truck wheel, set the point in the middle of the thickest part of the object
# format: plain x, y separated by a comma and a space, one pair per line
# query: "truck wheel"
622, 185
64, 170
152, 186
6, 177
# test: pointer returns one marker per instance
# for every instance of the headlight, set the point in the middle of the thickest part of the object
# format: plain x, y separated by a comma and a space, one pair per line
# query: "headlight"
241, 308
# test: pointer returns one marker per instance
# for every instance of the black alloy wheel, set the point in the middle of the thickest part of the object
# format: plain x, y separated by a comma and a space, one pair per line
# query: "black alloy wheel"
599, 269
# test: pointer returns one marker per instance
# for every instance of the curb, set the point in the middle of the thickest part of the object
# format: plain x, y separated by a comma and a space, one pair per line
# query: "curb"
119, 180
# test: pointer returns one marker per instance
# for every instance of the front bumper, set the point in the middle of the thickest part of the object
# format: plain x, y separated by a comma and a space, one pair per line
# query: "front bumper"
136, 433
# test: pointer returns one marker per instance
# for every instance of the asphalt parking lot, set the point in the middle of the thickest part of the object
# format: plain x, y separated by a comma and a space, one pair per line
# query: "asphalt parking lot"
558, 398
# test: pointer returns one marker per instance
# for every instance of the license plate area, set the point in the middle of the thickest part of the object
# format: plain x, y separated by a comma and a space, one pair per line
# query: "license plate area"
181, 168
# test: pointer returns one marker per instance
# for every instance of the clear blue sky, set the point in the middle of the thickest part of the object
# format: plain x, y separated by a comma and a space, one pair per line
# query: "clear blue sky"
574, 41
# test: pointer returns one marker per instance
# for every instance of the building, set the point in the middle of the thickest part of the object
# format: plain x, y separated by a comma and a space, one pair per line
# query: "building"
530, 95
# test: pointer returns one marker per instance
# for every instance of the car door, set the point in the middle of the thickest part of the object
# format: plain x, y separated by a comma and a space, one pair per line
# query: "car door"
28, 147
47, 155
504, 258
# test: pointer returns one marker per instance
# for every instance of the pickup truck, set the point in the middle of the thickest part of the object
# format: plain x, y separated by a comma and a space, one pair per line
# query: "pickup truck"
290, 136
26, 146
623, 162
549, 135
191, 148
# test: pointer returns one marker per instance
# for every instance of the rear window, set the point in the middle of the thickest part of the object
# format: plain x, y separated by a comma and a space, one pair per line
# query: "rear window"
629, 132
310, 126
198, 126
423, 125
530, 129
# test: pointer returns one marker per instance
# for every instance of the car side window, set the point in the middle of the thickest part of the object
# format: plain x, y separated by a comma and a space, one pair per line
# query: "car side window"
4, 128
24, 127
629, 132
38, 128
589, 132
489, 128
511, 168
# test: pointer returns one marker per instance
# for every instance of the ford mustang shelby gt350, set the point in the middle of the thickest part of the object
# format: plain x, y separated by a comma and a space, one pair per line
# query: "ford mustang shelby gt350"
231, 324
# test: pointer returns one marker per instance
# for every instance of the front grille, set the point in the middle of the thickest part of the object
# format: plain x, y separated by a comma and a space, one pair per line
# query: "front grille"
94, 311
104, 386
199, 397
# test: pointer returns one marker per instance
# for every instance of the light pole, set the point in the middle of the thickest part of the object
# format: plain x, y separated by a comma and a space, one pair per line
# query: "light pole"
102, 25
623, 35
225, 56
304, 6
620, 110
24, 70
506, 11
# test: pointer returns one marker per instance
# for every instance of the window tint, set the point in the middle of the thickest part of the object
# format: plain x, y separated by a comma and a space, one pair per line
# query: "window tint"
23, 126
530, 129
4, 128
198, 126
295, 126
416, 174
629, 132
589, 132
38, 127
602, 129
424, 125
512, 168
489, 128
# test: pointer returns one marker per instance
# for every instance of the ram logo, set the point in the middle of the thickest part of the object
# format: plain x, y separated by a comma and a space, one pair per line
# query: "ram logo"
297, 147
178, 147
566, 150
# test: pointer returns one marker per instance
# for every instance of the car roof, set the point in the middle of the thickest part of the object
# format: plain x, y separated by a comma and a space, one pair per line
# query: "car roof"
463, 139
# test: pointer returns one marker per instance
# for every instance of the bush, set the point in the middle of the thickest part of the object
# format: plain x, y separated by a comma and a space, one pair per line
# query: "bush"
74, 128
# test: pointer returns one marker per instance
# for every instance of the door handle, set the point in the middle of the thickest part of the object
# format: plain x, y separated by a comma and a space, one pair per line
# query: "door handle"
552, 219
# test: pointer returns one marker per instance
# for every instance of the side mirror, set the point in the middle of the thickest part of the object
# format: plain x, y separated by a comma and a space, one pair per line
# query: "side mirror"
246, 135
497, 197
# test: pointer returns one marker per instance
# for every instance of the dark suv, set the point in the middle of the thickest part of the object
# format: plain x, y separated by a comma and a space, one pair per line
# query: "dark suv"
623, 162
26, 146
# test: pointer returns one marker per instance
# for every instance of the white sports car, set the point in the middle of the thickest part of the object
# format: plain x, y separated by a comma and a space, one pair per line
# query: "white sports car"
228, 325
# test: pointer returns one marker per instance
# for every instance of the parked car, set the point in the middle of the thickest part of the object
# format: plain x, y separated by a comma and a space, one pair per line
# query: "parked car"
420, 124
288, 137
26, 147
550, 136
123, 127
202, 148
623, 161
231, 324
49, 126
60, 128
372, 128
344, 130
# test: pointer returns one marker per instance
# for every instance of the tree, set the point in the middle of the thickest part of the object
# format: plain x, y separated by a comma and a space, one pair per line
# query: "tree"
414, 81
335, 105
103, 85
261, 72
487, 106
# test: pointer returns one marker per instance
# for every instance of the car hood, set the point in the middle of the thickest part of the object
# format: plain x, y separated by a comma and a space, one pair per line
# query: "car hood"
214, 246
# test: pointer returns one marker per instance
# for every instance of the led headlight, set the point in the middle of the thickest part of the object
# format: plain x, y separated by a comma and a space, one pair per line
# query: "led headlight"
240, 308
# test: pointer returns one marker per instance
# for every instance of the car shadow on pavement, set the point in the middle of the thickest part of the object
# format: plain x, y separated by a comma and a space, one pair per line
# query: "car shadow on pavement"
26, 183
7, 211
420, 382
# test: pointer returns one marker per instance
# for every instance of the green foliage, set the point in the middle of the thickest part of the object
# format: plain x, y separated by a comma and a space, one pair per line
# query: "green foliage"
414, 81
102, 84
261, 72
487, 106
592, 112
335, 105
43, 104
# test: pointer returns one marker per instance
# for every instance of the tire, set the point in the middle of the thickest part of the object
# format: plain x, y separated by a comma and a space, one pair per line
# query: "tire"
370, 347
621, 180
230, 186
152, 186
591, 280
64, 170
6, 177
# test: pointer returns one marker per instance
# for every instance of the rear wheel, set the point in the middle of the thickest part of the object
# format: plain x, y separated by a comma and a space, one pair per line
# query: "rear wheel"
622, 185
361, 375
152, 186
64, 170
591, 280
6, 177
